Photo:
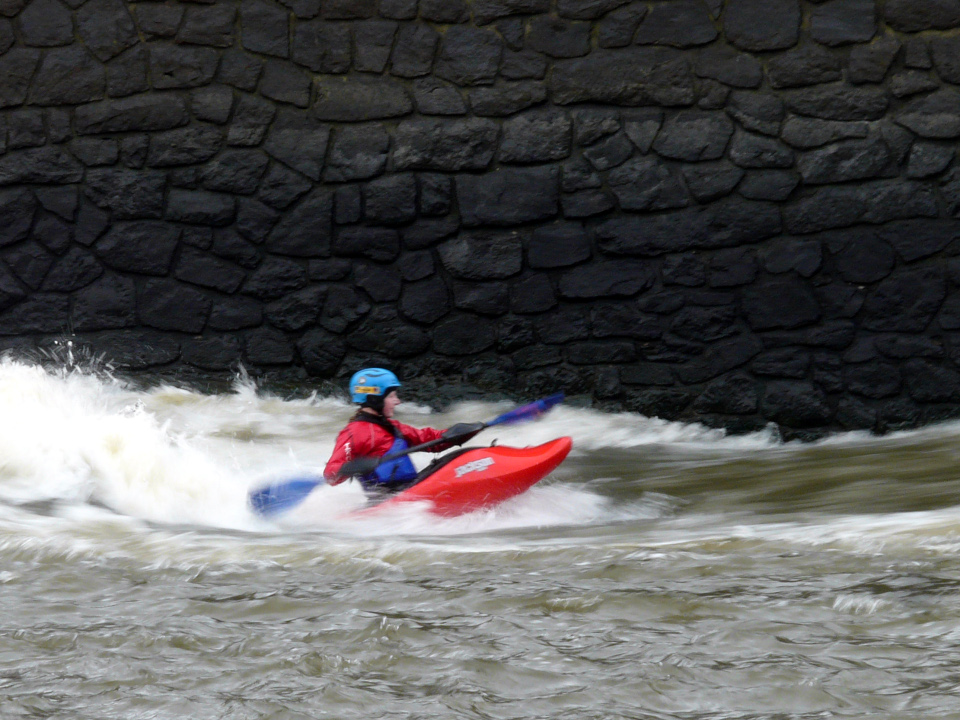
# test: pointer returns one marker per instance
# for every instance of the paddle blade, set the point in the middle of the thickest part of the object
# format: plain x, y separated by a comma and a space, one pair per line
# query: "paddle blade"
360, 466
527, 412
282, 496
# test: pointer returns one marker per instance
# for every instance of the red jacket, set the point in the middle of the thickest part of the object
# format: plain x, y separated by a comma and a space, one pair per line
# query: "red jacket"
366, 439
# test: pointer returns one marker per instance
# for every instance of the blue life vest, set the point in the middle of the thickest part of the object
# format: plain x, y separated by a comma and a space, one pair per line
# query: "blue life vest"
392, 472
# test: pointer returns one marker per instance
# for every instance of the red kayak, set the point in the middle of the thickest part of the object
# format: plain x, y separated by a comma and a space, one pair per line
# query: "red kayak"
478, 478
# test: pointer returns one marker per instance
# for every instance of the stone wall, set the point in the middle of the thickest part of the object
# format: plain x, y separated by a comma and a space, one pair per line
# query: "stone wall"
735, 211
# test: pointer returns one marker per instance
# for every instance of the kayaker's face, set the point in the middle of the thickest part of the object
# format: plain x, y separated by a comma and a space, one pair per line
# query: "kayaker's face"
389, 403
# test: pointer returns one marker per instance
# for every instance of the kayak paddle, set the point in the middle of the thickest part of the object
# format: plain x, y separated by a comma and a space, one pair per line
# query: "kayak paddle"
284, 495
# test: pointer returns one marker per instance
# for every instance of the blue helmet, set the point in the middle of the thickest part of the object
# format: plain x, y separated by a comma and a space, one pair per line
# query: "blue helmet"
371, 382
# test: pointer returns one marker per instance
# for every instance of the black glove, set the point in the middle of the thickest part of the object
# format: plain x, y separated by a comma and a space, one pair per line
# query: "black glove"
461, 432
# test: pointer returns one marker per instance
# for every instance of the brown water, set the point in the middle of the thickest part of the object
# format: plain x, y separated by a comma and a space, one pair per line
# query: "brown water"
663, 571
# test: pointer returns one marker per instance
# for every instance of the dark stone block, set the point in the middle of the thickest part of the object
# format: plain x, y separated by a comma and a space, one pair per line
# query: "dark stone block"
324, 47
734, 69
46, 23
176, 66
377, 243
30, 263
927, 382
463, 334
200, 207
281, 187
91, 222
360, 99
348, 204
199, 268
390, 338
558, 245
647, 184
17, 209
68, 75
184, 146
507, 98
491, 298
759, 25
285, 83
24, 128
928, 159
299, 142
158, 21
918, 15
307, 229
578, 175
916, 239
266, 346
127, 73
373, 40
532, 294
39, 165
509, 197
704, 324
796, 404
469, 55
586, 203
782, 363
773, 185
645, 373
731, 395
414, 50
755, 151
906, 347
875, 379
235, 171
870, 63
424, 144
348, 9
946, 57
275, 278
436, 97
618, 28
587, 9
436, 194
804, 65
74, 270
719, 358
208, 25
844, 161
804, 257
426, 233
416, 265
557, 37
686, 270
358, 152
594, 124
854, 415
538, 136
536, 356
321, 352
391, 200
39, 313
235, 313
483, 255
240, 70
661, 403
523, 65
221, 352
297, 310
682, 24
844, 22
129, 194
382, 283
632, 76
780, 303
343, 308
108, 304
486, 11
106, 28
513, 31
759, 112
839, 102
11, 292
694, 136
607, 278
329, 269
137, 349
264, 28
61, 201
444, 11
170, 305
712, 180
594, 352
933, 116
145, 247
905, 302
732, 268
425, 301
7, 38
157, 111
229, 245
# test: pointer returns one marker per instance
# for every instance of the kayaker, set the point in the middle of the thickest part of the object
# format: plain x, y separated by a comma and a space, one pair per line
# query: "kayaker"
372, 432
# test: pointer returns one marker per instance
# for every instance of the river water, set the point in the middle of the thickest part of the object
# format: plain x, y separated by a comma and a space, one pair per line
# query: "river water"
663, 571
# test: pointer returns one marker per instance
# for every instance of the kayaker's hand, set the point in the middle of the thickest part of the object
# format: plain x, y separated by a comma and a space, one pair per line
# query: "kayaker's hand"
461, 432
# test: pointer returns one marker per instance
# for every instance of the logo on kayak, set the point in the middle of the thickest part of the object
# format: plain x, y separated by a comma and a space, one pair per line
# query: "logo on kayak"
475, 466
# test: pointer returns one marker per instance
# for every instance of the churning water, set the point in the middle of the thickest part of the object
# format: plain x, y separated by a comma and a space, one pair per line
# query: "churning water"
663, 571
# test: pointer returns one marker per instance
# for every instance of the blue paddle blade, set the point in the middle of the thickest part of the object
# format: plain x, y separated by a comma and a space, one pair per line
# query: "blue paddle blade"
527, 412
282, 495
